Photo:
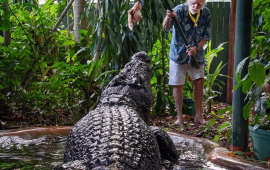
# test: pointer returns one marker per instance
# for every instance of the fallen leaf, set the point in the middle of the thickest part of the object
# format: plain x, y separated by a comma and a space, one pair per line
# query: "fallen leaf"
231, 154
188, 118
249, 154
268, 160
169, 118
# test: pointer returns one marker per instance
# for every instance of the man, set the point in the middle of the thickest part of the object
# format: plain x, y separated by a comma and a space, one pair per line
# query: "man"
195, 20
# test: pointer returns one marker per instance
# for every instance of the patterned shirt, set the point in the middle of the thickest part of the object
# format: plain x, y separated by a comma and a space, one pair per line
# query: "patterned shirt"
193, 34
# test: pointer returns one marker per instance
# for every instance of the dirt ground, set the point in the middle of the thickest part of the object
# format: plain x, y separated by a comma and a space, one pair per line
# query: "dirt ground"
213, 130
214, 120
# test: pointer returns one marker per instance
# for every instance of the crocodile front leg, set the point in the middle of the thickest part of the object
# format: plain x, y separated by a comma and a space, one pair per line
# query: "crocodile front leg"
166, 146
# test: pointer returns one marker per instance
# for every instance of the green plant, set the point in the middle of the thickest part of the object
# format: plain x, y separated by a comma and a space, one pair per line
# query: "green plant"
224, 133
224, 130
163, 101
87, 79
209, 125
256, 77
25, 60
110, 36
188, 88
211, 79
46, 73
251, 75
46, 81
188, 101
261, 23
252, 84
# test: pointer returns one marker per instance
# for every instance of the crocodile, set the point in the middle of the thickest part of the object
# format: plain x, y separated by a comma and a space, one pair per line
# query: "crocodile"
116, 134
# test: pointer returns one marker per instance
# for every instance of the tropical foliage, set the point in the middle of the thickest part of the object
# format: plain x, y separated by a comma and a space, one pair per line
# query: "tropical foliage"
261, 24
31, 77
47, 78
258, 66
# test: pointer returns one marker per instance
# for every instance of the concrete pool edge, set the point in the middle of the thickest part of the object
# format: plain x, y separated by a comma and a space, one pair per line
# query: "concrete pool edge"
35, 132
219, 155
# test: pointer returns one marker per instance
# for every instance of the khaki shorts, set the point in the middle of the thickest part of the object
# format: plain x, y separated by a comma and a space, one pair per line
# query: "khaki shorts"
178, 73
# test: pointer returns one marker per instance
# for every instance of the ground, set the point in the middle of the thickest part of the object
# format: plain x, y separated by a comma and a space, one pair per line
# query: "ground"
212, 130
218, 129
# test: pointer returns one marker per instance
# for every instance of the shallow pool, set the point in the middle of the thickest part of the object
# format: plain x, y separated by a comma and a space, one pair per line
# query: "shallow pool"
43, 150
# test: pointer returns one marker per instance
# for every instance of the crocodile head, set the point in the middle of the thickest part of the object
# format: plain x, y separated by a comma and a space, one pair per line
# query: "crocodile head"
132, 86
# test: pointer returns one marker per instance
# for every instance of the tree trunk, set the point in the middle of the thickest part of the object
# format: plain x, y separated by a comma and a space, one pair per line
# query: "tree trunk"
57, 23
62, 16
78, 8
68, 28
96, 55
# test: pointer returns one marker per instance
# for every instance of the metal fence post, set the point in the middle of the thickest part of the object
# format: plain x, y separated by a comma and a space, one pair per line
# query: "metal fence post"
242, 50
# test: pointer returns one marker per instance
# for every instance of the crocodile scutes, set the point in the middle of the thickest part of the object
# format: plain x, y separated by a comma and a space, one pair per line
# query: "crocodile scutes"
115, 135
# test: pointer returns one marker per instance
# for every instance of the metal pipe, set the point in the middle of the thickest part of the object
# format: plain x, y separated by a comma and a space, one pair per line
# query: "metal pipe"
242, 50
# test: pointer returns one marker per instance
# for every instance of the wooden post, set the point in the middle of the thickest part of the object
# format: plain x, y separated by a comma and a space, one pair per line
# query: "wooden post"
231, 51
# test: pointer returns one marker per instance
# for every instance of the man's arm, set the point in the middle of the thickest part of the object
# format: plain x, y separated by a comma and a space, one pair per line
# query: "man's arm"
193, 50
201, 43
166, 23
167, 19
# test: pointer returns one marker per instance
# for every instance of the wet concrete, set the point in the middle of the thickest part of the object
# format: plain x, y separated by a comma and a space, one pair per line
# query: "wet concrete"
219, 155
212, 152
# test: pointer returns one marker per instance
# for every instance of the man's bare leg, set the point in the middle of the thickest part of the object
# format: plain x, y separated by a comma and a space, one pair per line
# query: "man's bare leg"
178, 98
198, 99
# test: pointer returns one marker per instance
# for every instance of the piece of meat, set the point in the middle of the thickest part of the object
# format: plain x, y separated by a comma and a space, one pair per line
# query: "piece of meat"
134, 15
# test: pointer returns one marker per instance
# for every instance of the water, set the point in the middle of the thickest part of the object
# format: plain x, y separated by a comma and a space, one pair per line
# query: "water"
22, 154
46, 152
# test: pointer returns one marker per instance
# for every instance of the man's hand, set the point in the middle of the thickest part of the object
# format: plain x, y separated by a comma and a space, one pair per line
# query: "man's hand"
170, 14
192, 51
166, 21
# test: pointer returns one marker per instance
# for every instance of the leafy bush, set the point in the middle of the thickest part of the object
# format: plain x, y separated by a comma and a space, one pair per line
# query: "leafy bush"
261, 24
41, 79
